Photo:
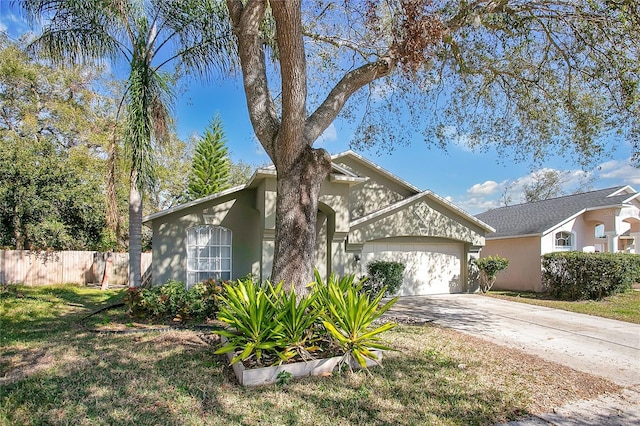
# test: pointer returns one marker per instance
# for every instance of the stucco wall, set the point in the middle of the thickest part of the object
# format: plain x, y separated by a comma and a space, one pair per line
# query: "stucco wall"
234, 212
376, 193
424, 218
582, 227
524, 271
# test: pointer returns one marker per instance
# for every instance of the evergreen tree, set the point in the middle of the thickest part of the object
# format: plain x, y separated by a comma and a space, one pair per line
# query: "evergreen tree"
210, 167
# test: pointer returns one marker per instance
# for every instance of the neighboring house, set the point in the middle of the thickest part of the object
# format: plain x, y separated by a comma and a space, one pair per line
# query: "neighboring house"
607, 220
365, 214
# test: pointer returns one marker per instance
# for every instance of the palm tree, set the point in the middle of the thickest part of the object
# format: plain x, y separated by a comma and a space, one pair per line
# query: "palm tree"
147, 36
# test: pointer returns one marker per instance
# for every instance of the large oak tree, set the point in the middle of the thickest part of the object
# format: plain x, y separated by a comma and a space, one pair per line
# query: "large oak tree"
527, 77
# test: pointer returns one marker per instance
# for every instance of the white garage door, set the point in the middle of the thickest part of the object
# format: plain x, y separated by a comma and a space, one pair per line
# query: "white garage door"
429, 268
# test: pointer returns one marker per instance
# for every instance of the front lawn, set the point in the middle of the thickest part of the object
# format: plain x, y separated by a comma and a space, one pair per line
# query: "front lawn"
622, 307
55, 369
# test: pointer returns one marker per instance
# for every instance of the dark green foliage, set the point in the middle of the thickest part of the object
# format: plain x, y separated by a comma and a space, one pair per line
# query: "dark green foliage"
174, 300
210, 167
46, 202
384, 274
489, 268
350, 318
50, 165
579, 276
269, 325
251, 312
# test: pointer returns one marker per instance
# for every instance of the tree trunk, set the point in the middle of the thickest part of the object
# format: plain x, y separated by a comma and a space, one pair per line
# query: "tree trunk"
17, 229
296, 214
135, 232
288, 138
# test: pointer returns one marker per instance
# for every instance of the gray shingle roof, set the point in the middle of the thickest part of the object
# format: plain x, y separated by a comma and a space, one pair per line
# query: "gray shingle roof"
535, 218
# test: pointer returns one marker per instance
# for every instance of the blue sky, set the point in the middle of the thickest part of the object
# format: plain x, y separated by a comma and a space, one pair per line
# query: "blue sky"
473, 181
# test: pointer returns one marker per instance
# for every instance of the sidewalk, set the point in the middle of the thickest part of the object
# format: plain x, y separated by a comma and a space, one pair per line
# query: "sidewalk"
608, 410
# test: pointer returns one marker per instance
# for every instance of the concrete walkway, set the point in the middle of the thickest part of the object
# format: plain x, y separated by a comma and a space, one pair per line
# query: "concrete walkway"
603, 347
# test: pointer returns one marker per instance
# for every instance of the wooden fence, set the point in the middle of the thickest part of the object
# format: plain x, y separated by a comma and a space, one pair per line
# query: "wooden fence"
80, 267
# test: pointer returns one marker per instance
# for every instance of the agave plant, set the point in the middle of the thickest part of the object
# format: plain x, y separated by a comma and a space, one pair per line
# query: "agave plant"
297, 316
350, 316
250, 311
344, 283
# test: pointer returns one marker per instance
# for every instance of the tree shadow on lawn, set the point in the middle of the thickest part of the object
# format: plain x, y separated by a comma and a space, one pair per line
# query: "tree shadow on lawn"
34, 315
409, 389
75, 376
115, 379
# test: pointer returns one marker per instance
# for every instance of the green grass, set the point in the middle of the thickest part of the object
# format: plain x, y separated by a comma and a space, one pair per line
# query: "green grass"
622, 307
55, 370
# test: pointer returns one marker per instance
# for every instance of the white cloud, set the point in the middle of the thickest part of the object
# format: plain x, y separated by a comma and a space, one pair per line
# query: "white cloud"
329, 135
475, 205
492, 194
620, 170
487, 188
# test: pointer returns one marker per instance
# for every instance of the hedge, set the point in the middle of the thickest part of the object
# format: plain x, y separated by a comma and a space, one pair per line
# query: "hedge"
579, 276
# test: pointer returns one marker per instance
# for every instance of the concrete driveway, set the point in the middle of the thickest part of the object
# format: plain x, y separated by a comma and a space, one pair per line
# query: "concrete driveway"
603, 347
599, 346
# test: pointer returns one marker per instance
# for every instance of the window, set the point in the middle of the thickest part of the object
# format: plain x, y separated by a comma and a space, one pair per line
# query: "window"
564, 241
599, 231
208, 253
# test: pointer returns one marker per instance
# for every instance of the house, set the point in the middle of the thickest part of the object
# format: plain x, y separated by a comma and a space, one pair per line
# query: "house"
606, 220
365, 214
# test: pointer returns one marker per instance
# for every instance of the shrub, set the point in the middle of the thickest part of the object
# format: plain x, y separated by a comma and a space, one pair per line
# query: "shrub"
383, 274
251, 312
489, 268
174, 300
579, 276
350, 319
269, 325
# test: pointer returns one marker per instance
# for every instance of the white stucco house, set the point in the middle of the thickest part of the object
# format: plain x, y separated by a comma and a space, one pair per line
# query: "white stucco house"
606, 220
365, 213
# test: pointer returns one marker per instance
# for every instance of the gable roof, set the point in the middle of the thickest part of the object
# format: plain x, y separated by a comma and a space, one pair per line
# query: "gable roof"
374, 166
425, 194
540, 217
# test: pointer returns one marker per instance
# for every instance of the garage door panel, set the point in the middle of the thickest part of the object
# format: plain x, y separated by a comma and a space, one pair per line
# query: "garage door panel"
429, 268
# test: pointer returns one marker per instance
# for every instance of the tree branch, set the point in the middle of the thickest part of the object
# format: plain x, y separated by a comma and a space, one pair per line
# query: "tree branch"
324, 115
262, 112
293, 73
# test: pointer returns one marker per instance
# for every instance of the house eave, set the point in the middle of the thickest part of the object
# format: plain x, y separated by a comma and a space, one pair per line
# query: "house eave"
510, 237
148, 220
573, 216
624, 189
379, 169
338, 178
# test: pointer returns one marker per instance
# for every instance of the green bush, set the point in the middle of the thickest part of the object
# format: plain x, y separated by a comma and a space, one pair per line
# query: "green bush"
174, 300
383, 274
268, 325
251, 312
580, 276
350, 317
489, 268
